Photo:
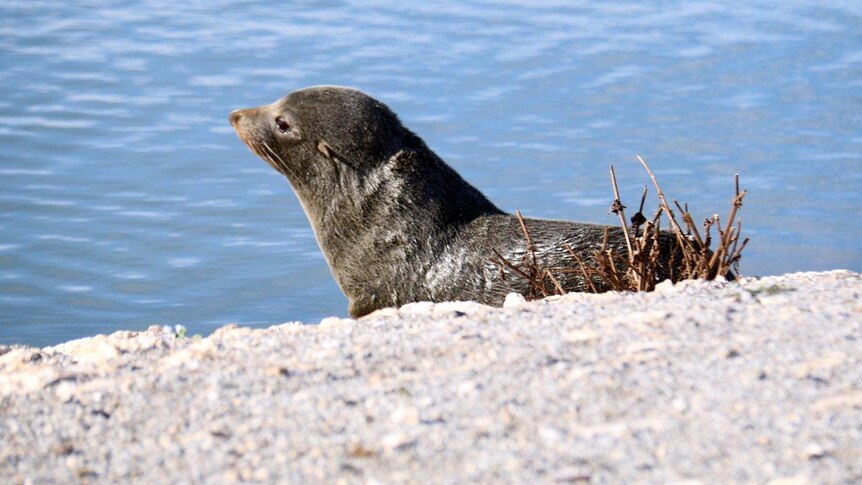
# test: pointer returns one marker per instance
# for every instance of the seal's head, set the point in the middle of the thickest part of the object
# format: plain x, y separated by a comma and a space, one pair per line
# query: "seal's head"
318, 134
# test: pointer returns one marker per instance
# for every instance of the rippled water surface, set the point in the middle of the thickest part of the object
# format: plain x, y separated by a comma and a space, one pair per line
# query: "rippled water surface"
128, 201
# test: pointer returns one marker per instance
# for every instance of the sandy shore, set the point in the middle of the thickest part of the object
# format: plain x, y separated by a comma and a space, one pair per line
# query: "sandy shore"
756, 382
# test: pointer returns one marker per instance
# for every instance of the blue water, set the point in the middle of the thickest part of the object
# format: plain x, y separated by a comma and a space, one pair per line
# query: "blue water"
128, 201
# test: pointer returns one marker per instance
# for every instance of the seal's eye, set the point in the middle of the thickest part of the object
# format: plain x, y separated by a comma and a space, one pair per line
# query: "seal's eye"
282, 125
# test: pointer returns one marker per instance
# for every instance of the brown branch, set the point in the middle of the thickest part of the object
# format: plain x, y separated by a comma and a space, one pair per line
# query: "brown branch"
619, 209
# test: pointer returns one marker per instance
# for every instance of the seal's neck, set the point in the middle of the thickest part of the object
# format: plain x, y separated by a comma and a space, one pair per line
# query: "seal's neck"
395, 218
421, 188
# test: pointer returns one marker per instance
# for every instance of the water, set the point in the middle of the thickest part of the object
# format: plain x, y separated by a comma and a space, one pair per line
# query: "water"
127, 200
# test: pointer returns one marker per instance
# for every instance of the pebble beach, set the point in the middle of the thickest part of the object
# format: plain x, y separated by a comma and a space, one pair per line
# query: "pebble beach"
757, 381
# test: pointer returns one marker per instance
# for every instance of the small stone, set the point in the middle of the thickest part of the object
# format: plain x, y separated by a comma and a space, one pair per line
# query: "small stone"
64, 447
278, 371
85, 473
406, 415
730, 353
466, 387
358, 450
396, 440
549, 435
514, 300
581, 336
506, 417
261, 475
572, 475
814, 451
483, 425
65, 391
246, 473
375, 378
664, 286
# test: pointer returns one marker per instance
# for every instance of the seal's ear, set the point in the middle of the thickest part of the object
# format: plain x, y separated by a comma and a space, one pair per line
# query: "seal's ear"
325, 149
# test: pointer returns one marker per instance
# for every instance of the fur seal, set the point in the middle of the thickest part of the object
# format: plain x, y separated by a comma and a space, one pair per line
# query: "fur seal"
395, 222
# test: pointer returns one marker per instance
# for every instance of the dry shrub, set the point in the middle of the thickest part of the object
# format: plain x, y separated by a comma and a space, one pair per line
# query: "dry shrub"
639, 269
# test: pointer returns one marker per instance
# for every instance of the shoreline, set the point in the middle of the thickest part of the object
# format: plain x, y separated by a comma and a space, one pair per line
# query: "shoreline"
704, 381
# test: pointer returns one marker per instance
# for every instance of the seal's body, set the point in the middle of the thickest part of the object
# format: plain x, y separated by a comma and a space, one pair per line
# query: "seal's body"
395, 222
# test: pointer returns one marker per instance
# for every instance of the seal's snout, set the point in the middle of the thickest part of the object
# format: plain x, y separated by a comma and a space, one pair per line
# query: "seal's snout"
235, 116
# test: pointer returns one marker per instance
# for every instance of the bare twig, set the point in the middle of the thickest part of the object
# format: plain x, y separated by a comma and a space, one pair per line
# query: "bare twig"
619, 209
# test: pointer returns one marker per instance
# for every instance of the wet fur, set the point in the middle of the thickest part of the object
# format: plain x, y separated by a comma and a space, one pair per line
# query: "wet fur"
395, 222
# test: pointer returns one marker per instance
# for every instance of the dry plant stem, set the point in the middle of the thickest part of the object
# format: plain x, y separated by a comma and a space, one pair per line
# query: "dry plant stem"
643, 199
605, 258
701, 265
736, 241
534, 274
737, 253
657, 217
683, 242
534, 285
530, 259
648, 261
530, 246
620, 210
587, 278
560, 290
661, 197
689, 223
612, 255
511, 266
637, 222
736, 203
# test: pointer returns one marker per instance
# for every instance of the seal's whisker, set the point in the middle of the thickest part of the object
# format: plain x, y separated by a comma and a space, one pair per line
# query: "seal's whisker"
268, 159
281, 162
252, 146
